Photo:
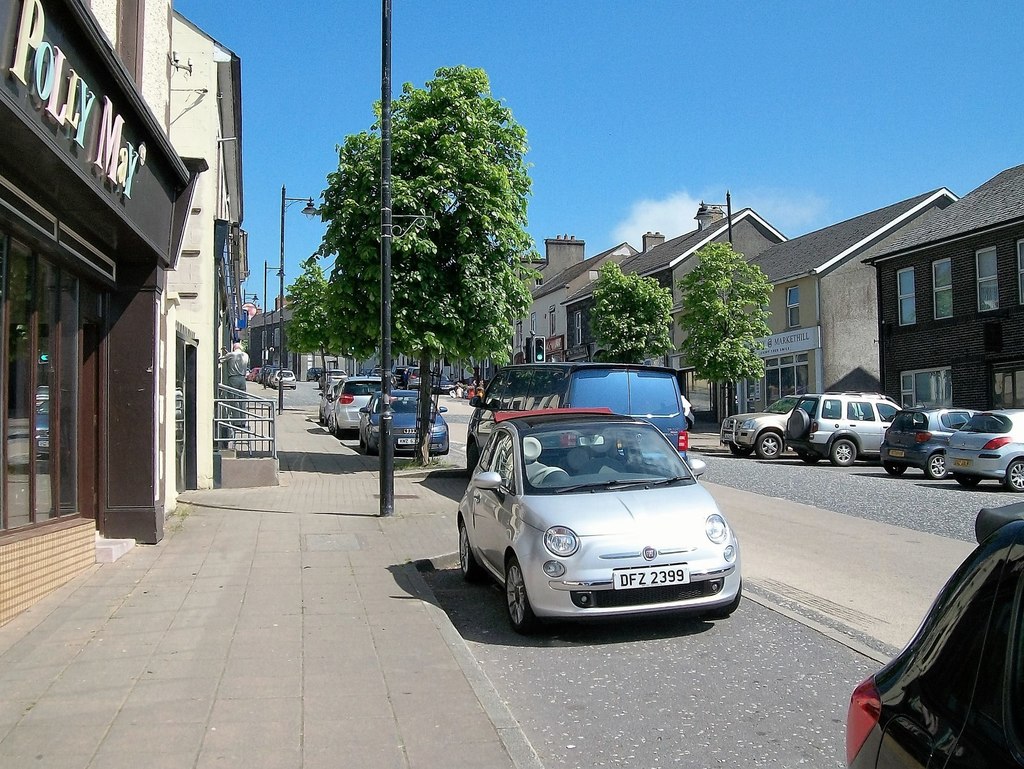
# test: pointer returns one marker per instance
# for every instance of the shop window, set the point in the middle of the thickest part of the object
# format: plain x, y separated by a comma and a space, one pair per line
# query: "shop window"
932, 388
786, 375
20, 398
47, 302
1008, 387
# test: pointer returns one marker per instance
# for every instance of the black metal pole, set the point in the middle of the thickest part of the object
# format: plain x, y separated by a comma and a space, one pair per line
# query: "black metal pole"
280, 318
387, 457
728, 213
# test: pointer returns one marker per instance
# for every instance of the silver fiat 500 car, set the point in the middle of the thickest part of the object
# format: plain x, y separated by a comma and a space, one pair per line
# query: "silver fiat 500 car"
589, 515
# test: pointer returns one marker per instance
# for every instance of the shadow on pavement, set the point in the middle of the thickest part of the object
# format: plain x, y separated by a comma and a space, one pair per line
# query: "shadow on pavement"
478, 613
324, 462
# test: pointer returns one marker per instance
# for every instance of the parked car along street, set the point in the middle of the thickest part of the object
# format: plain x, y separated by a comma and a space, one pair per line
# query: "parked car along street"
952, 698
588, 515
353, 394
844, 426
761, 432
990, 445
919, 437
285, 380
405, 410
313, 374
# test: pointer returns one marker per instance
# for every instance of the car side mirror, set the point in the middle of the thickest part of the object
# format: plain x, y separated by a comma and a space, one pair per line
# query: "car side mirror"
486, 480
442, 409
364, 410
697, 466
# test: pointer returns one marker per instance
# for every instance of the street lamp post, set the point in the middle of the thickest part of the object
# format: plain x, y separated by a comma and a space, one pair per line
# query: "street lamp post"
387, 456
308, 210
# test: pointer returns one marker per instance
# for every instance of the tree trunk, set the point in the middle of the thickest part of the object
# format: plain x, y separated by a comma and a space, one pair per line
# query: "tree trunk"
426, 404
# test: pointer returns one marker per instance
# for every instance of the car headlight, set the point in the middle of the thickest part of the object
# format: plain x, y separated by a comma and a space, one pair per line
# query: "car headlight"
561, 541
716, 528
748, 424
437, 430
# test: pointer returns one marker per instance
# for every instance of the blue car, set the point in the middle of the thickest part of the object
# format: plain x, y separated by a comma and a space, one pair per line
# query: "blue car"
404, 408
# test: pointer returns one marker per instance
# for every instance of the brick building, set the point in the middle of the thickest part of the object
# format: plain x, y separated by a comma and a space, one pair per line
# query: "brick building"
951, 302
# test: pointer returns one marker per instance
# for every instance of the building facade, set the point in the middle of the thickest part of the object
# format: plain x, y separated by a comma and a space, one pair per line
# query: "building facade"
951, 303
92, 203
824, 318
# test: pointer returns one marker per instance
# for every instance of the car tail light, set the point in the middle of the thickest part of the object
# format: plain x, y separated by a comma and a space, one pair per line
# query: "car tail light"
683, 442
865, 710
814, 426
345, 399
923, 436
996, 443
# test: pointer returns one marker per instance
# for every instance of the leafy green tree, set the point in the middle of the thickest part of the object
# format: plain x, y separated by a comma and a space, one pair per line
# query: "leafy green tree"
308, 329
460, 252
724, 315
631, 317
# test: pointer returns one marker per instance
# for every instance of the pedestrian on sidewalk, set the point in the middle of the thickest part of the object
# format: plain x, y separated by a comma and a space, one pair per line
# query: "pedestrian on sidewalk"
236, 365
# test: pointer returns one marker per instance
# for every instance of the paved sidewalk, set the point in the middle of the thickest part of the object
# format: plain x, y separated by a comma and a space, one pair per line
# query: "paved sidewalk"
273, 627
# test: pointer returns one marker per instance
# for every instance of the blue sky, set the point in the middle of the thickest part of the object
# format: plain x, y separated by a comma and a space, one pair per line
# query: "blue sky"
808, 112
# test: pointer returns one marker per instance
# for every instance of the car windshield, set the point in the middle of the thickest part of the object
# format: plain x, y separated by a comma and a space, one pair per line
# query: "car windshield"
595, 456
988, 423
782, 406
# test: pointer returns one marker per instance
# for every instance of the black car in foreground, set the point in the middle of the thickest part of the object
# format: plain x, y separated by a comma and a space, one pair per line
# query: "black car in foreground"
954, 697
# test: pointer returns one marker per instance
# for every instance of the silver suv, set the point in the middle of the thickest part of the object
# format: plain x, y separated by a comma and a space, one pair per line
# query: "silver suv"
844, 427
759, 432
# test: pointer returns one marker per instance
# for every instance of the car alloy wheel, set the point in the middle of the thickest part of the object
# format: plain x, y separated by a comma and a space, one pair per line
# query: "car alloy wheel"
844, 453
768, 446
894, 469
517, 602
471, 570
1014, 478
936, 467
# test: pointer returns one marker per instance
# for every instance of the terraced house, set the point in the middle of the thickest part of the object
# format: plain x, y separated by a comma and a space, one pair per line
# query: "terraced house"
951, 302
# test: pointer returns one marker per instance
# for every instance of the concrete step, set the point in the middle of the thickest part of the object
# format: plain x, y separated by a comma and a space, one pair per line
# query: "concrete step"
109, 550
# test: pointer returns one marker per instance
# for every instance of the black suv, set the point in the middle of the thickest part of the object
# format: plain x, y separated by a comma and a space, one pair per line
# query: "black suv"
648, 392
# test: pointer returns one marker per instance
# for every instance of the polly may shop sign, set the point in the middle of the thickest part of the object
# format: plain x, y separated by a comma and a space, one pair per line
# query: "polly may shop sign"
90, 121
71, 106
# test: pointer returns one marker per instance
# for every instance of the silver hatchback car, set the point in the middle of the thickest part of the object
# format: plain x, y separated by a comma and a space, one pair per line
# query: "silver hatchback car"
990, 445
352, 395
589, 515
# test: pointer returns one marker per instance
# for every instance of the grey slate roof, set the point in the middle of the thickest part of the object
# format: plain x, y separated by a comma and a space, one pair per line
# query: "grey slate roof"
573, 271
662, 255
997, 201
812, 251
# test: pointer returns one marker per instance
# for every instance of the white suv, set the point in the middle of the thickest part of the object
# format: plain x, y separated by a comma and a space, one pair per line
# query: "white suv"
841, 426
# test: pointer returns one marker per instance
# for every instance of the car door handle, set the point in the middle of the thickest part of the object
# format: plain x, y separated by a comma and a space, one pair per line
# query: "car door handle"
476, 496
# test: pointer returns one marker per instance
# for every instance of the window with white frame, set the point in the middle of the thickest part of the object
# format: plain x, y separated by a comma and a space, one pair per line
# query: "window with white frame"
942, 288
793, 306
533, 323
786, 375
551, 320
905, 290
927, 388
577, 319
988, 280
1020, 270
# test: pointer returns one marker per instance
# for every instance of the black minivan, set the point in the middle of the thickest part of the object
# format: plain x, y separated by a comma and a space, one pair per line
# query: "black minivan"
648, 392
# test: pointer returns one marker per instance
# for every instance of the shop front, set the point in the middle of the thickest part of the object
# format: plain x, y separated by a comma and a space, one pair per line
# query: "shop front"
92, 201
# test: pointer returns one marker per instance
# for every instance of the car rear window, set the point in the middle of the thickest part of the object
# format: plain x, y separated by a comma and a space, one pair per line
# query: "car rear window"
910, 420
646, 393
360, 388
988, 423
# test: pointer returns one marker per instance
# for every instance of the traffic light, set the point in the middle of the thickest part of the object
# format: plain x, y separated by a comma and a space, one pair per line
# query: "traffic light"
538, 354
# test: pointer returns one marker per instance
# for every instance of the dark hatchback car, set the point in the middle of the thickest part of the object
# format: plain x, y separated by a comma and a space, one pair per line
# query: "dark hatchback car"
919, 437
954, 697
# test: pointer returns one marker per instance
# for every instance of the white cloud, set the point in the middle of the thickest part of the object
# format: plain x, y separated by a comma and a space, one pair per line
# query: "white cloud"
792, 213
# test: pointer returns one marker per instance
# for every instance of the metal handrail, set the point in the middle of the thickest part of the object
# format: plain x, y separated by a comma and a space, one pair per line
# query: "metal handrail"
244, 423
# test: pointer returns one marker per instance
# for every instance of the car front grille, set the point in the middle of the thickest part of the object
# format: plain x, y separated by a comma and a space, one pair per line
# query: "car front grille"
643, 596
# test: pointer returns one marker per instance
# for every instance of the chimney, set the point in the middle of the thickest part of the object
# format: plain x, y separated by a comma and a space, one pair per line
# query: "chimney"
560, 252
708, 214
652, 239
